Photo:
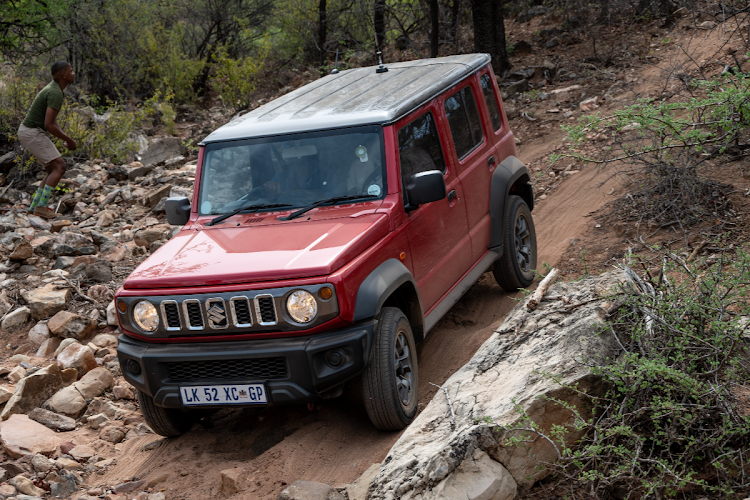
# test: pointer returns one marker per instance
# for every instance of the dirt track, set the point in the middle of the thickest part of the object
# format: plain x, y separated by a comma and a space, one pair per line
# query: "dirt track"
335, 443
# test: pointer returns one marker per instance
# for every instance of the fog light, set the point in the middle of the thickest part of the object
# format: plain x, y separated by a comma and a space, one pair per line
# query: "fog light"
335, 358
133, 367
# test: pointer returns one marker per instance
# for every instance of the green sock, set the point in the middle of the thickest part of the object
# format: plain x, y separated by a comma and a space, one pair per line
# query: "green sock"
37, 196
44, 198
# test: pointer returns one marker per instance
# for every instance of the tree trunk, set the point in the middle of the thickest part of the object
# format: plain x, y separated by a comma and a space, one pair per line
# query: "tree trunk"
322, 30
435, 31
380, 23
455, 21
489, 32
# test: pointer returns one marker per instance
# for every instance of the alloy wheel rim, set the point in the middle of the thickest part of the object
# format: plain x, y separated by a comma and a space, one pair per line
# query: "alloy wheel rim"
523, 243
403, 369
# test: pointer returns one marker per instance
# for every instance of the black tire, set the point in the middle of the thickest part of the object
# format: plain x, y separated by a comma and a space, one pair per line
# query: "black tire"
515, 269
167, 422
390, 382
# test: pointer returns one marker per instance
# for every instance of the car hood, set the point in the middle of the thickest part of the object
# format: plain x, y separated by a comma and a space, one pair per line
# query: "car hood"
228, 255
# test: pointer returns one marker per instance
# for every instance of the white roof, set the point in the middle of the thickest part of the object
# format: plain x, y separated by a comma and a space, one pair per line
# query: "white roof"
353, 97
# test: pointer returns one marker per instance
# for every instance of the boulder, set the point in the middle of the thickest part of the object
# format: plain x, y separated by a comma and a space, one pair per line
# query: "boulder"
22, 436
39, 333
435, 456
111, 314
153, 197
67, 401
16, 374
5, 394
309, 490
16, 318
162, 149
94, 383
71, 326
105, 339
64, 345
52, 420
33, 390
77, 356
7, 491
46, 301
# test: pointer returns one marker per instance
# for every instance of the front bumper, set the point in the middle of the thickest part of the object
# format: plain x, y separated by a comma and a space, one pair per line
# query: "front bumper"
294, 370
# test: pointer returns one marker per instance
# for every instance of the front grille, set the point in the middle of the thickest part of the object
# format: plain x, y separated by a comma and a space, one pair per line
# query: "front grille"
172, 314
266, 310
194, 315
242, 316
235, 369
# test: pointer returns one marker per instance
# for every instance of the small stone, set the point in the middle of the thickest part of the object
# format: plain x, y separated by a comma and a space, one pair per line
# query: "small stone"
64, 343
7, 491
100, 271
145, 237
33, 390
46, 301
232, 481
42, 463
122, 392
112, 434
82, 452
52, 420
72, 326
57, 225
22, 251
68, 463
104, 340
94, 383
39, 333
77, 356
589, 104
5, 394
152, 197
22, 436
66, 447
67, 401
16, 318
129, 486
25, 485
65, 487
16, 374
98, 421
310, 490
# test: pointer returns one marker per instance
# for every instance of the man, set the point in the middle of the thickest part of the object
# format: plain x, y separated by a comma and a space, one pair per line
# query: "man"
40, 121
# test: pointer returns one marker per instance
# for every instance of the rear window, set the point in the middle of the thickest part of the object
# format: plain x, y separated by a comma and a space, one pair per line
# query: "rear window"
463, 120
492, 106
419, 147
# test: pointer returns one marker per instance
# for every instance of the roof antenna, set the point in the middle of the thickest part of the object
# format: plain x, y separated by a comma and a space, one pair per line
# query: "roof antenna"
380, 68
335, 70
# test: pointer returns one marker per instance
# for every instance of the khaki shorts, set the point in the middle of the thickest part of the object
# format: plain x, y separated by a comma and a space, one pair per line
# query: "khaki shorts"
38, 143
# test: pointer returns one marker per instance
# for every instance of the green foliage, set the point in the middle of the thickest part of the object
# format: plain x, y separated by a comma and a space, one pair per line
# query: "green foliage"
234, 79
670, 423
17, 92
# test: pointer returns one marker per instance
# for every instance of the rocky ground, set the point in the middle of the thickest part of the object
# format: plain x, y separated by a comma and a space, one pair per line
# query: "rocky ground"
70, 426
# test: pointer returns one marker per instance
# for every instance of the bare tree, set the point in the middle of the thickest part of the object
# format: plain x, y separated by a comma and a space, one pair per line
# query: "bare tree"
322, 30
489, 32
434, 27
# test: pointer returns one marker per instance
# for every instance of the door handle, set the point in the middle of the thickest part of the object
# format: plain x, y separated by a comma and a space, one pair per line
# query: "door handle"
490, 161
451, 196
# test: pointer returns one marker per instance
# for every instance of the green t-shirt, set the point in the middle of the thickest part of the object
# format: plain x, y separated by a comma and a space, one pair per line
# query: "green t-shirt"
50, 96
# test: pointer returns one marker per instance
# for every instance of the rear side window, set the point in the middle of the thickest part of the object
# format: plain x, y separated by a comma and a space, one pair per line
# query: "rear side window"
419, 147
489, 96
463, 119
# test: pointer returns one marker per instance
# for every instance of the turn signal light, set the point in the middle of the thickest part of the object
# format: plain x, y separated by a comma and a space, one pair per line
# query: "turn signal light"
122, 306
325, 293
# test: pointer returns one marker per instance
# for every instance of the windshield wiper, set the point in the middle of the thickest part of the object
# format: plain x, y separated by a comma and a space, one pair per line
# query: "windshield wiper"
244, 208
318, 203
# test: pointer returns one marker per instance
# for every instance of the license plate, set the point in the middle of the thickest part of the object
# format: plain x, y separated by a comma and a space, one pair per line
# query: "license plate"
223, 394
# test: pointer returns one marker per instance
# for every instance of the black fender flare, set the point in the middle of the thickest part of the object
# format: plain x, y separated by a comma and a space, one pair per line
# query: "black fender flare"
379, 285
508, 173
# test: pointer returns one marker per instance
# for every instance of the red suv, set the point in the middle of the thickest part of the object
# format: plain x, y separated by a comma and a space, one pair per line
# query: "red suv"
329, 231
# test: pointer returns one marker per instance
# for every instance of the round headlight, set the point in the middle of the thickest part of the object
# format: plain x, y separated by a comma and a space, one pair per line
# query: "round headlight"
145, 316
302, 306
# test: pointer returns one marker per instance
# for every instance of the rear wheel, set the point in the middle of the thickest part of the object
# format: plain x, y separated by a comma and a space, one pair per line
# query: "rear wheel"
390, 380
515, 269
168, 422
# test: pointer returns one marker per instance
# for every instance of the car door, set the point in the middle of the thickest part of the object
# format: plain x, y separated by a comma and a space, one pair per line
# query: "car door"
473, 153
438, 235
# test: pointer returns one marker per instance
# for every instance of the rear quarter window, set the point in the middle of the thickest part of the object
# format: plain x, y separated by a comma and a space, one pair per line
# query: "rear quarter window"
463, 120
492, 105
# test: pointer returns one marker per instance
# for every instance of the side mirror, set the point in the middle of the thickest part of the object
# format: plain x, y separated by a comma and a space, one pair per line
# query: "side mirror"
178, 211
424, 187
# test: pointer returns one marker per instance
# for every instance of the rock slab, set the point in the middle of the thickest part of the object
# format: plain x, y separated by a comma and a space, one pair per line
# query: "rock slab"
434, 459
22, 436
309, 490
33, 390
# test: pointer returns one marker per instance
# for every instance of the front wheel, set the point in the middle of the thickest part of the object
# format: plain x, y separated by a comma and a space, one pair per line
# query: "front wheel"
167, 422
515, 269
390, 380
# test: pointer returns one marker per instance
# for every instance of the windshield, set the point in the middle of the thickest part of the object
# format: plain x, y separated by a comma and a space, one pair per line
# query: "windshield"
295, 170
